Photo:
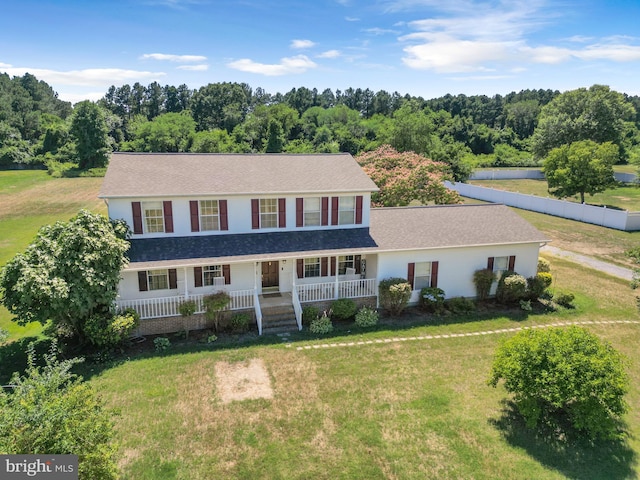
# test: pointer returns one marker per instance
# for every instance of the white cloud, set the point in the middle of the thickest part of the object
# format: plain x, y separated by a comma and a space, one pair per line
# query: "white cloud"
75, 97
174, 58
352, 19
91, 77
287, 65
301, 44
380, 31
194, 68
330, 54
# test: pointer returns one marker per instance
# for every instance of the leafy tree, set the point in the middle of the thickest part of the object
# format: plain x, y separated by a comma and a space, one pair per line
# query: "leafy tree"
579, 168
405, 177
275, 138
564, 372
598, 114
213, 141
169, 132
50, 410
90, 132
70, 272
220, 105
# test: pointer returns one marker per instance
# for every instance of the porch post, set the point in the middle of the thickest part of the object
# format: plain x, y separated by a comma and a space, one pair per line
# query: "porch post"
336, 287
186, 284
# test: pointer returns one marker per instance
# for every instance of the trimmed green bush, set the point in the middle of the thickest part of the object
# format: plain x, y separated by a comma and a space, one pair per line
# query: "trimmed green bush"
565, 300
187, 308
321, 326
536, 286
483, 279
161, 343
239, 323
511, 288
366, 317
344, 308
432, 299
460, 305
309, 313
106, 331
394, 294
544, 266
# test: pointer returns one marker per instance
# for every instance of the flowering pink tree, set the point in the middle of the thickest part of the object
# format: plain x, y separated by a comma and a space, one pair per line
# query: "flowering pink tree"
405, 177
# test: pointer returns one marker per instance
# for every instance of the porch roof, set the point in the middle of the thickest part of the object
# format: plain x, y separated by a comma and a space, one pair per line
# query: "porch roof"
198, 250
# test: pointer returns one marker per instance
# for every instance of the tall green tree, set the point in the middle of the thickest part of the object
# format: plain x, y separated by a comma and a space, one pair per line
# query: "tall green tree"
579, 168
69, 272
598, 114
169, 132
91, 134
275, 137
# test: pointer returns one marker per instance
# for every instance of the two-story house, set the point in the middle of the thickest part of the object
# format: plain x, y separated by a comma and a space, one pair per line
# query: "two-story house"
297, 227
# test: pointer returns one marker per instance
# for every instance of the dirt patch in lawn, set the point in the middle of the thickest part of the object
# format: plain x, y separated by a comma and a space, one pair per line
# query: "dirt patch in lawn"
243, 381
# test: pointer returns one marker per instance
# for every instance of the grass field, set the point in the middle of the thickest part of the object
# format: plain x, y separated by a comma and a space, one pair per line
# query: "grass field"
400, 410
625, 197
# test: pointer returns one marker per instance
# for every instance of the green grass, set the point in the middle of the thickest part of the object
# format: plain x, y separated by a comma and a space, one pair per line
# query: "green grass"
625, 197
30, 199
414, 409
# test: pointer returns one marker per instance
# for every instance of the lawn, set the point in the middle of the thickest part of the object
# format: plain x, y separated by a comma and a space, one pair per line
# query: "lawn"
394, 409
30, 199
625, 197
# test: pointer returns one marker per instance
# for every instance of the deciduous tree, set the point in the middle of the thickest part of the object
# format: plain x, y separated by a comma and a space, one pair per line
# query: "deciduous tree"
91, 134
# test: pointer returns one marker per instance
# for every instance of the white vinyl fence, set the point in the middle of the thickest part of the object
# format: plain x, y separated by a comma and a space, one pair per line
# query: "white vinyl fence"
606, 217
536, 174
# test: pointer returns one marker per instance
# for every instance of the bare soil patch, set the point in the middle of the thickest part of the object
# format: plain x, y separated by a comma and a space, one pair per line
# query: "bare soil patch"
243, 381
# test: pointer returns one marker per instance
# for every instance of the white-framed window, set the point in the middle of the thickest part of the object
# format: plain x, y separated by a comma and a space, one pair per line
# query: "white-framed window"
153, 215
422, 275
312, 211
500, 265
209, 215
268, 213
344, 262
210, 273
311, 267
158, 279
346, 210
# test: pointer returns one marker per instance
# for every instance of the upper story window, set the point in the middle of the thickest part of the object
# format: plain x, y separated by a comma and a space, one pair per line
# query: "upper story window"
153, 215
346, 210
312, 211
209, 215
268, 212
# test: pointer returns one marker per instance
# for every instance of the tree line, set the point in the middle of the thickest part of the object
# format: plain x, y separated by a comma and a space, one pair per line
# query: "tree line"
517, 129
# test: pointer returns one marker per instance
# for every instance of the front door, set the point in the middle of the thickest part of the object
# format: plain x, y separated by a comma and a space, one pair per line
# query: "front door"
270, 274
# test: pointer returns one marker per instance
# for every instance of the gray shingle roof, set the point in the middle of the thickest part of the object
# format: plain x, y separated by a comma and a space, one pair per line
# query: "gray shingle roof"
177, 174
392, 229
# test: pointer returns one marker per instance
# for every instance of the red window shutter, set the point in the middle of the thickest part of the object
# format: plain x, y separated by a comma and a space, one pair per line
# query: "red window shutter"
168, 216
299, 212
357, 263
137, 217
333, 266
255, 213
324, 219
334, 210
195, 219
490, 263
324, 266
282, 213
173, 278
434, 274
226, 273
143, 286
300, 267
512, 262
411, 273
359, 209
197, 276
224, 215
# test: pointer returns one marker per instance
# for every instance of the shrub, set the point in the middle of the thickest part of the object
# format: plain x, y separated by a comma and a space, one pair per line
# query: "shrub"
187, 308
321, 325
483, 279
161, 343
537, 285
51, 410
526, 305
240, 323
460, 305
544, 266
211, 338
3, 335
565, 300
214, 304
394, 294
511, 288
432, 299
563, 372
344, 308
106, 331
366, 317
309, 313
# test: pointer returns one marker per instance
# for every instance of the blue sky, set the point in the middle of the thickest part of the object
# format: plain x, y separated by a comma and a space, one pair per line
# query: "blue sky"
420, 47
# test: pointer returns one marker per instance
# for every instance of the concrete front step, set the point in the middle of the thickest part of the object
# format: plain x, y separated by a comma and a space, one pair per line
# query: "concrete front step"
273, 330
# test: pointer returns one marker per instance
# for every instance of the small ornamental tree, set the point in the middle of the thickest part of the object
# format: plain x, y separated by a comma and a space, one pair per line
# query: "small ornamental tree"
483, 279
51, 411
404, 177
564, 372
69, 272
395, 294
214, 305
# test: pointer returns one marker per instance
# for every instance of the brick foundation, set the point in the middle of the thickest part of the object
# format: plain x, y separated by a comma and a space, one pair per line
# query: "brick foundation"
157, 326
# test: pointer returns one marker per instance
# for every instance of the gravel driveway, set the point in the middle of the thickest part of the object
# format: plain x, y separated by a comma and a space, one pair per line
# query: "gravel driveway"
605, 267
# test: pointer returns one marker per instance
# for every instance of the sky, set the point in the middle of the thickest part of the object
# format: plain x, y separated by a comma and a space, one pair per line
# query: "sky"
423, 48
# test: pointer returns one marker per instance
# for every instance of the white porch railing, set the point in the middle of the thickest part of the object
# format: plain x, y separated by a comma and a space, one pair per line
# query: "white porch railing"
169, 306
258, 310
318, 292
297, 308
